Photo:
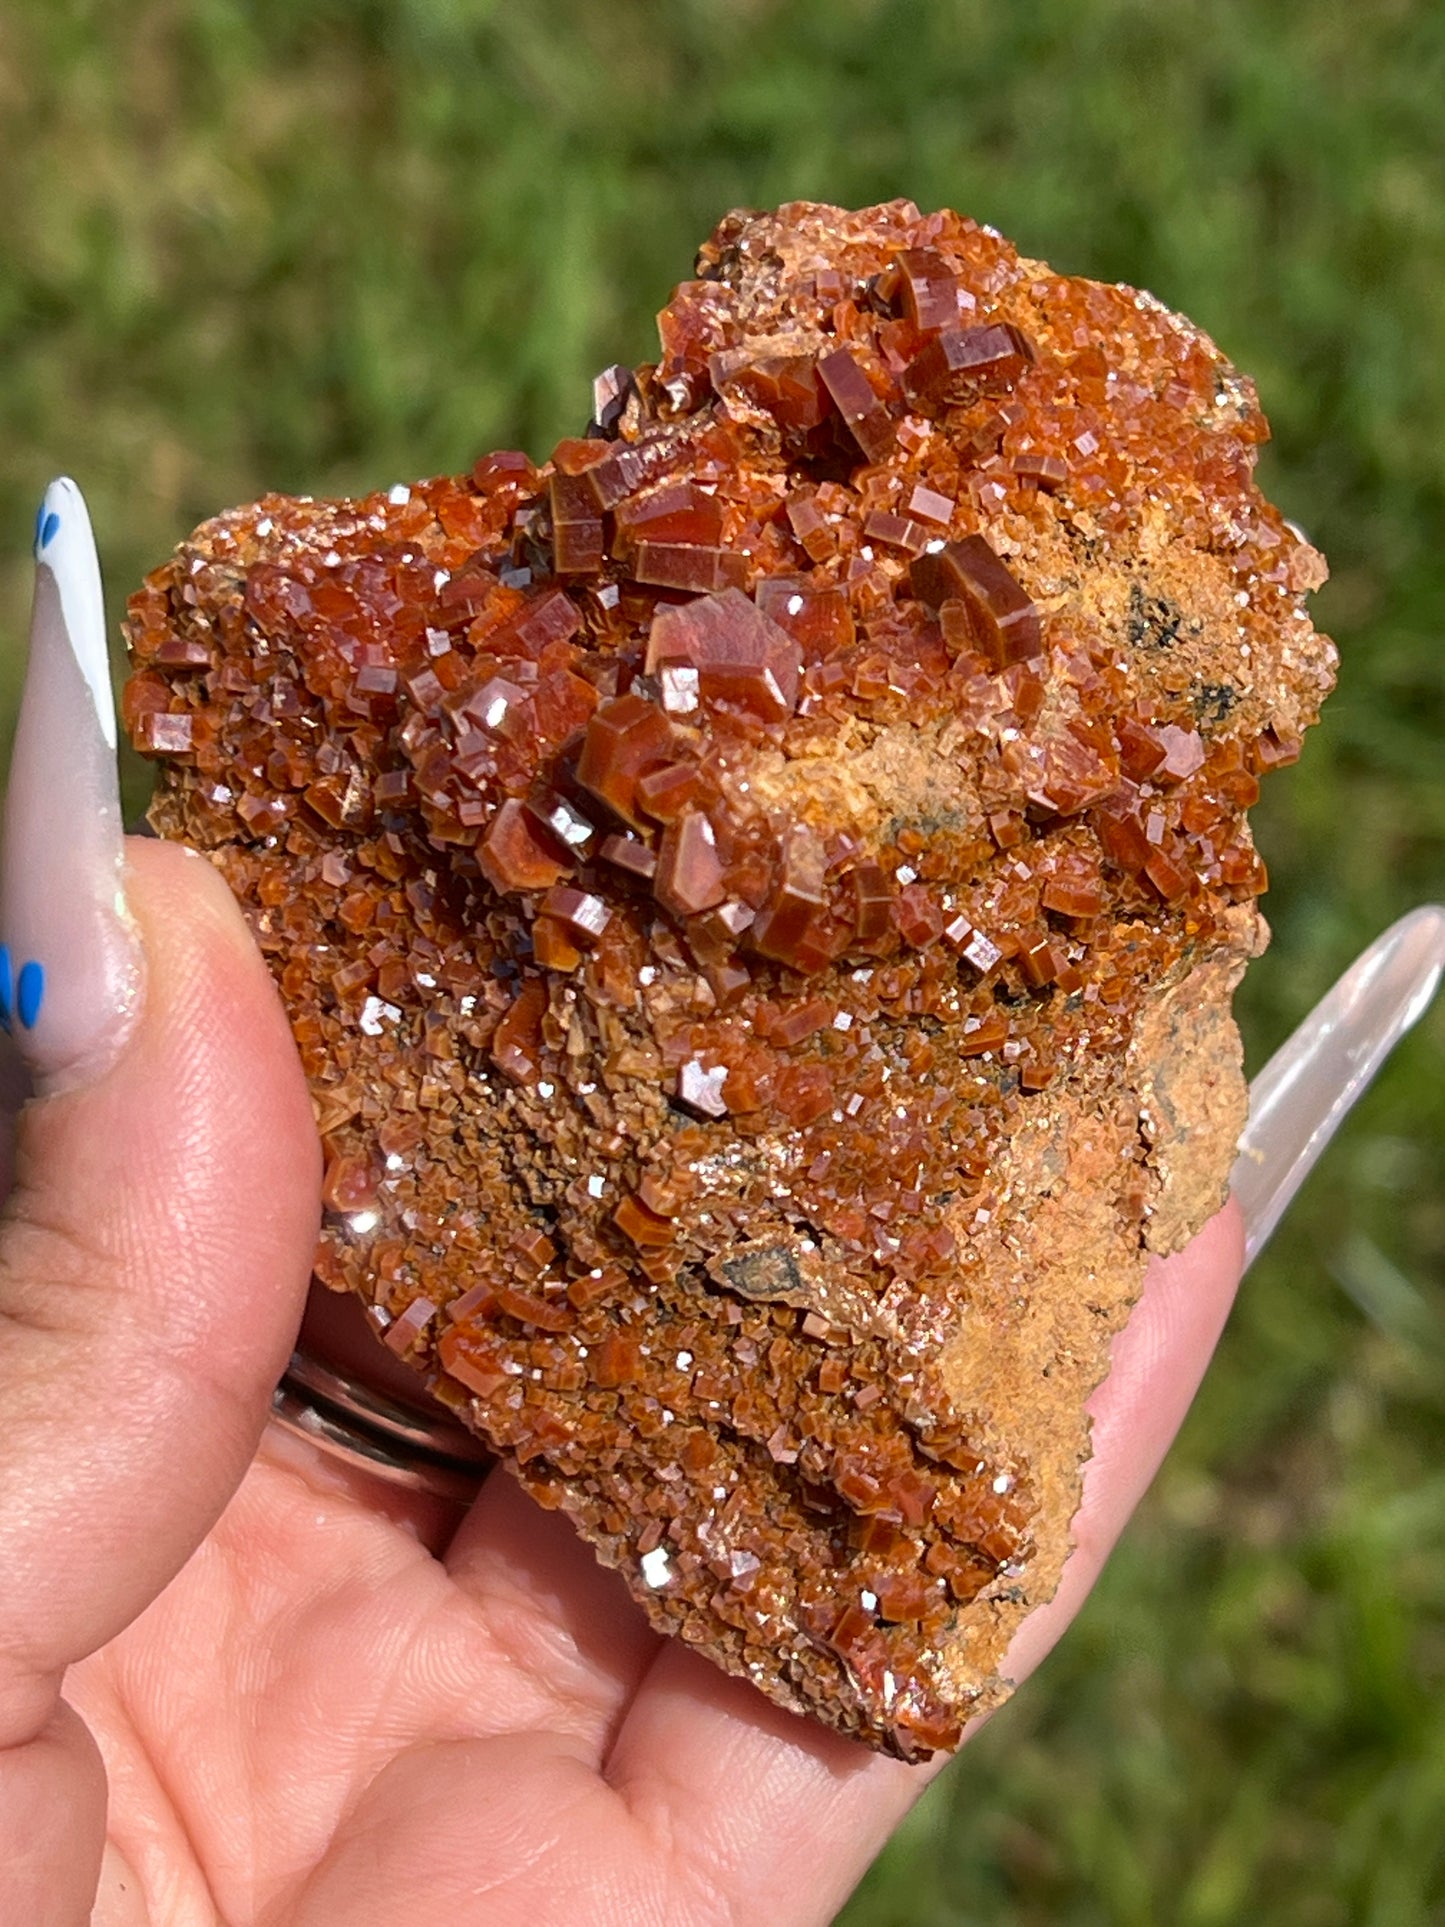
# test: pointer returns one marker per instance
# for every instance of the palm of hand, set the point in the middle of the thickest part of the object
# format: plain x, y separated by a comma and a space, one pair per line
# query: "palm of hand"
320, 1721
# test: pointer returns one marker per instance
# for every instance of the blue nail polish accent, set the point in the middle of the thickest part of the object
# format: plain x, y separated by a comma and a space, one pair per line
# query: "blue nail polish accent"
30, 993
47, 527
7, 988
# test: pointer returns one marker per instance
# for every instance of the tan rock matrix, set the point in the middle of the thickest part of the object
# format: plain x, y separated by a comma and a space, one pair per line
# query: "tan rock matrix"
757, 899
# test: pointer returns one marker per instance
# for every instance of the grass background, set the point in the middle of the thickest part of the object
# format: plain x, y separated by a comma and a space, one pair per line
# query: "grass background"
322, 246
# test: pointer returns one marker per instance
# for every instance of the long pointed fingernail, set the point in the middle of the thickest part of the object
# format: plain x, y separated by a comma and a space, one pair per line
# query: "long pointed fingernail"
1303, 1094
69, 960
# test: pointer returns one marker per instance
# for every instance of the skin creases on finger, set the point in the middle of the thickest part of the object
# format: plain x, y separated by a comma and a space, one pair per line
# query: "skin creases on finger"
548, 1601
337, 1483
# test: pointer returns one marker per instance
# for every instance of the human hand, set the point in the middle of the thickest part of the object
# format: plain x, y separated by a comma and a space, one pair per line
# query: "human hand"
317, 1699
348, 1706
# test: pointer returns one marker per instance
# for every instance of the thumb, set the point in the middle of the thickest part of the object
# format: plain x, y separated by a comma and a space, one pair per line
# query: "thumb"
155, 1248
154, 1255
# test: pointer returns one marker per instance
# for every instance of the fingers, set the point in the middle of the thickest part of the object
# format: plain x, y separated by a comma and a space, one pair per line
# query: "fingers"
157, 1238
153, 1253
52, 1820
788, 1818
159, 1220
153, 1256
565, 1622
763, 1809
381, 1403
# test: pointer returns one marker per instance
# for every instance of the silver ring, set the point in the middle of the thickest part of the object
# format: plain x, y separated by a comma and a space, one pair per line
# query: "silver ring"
375, 1433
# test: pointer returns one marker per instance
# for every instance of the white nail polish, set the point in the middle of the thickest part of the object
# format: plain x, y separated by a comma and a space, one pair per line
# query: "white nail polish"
65, 545
69, 957
1303, 1094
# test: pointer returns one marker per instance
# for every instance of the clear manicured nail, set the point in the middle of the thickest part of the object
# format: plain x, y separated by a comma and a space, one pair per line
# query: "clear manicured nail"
69, 959
1301, 1097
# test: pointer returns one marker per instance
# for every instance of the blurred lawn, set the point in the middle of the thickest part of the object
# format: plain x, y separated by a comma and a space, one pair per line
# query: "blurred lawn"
316, 247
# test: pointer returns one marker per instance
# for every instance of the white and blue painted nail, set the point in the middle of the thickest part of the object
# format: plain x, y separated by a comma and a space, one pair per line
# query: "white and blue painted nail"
65, 545
69, 962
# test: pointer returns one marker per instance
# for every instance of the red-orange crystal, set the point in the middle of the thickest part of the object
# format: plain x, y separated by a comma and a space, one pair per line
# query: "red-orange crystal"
723, 880
1002, 621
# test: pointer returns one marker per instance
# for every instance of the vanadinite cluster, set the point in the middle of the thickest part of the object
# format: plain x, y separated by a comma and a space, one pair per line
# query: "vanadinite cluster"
758, 898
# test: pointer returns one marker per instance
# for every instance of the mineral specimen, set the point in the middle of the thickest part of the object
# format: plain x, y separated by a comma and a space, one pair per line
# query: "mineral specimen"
758, 898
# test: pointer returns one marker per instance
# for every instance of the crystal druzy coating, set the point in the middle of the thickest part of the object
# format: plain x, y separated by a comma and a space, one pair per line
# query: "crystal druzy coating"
757, 899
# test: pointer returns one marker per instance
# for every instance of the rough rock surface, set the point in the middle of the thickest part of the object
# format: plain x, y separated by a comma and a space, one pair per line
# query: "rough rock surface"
758, 899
